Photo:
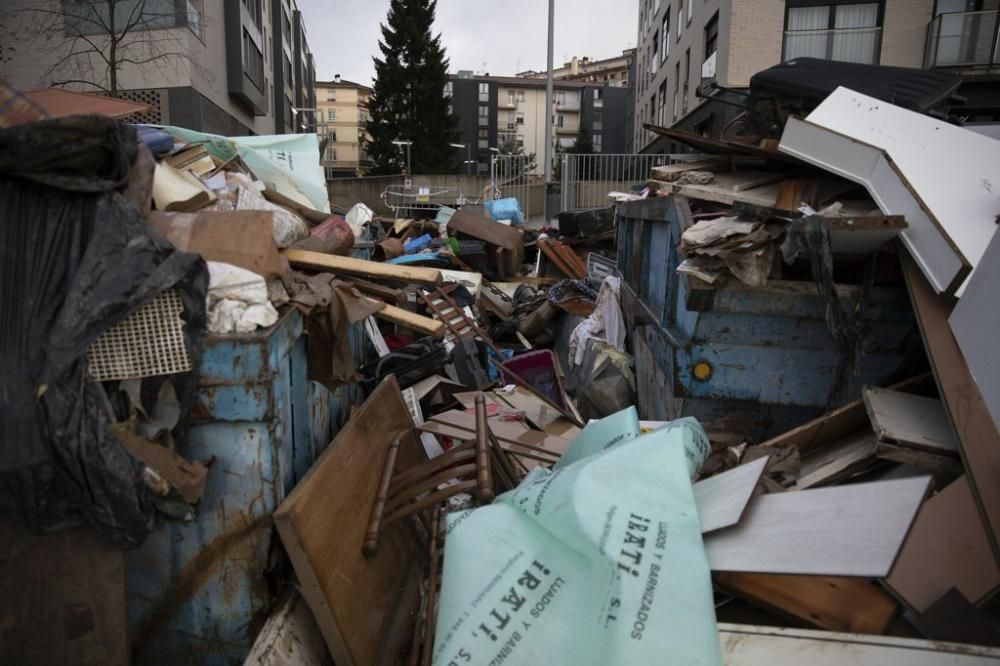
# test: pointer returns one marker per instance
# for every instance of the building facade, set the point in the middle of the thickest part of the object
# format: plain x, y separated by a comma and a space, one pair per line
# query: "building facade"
216, 66
341, 116
683, 43
610, 71
496, 112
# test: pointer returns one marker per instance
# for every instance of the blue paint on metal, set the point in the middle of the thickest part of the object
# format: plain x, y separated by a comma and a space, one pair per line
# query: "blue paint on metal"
769, 349
196, 591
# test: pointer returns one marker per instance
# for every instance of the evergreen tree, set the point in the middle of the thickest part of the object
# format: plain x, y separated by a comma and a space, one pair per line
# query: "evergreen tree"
408, 101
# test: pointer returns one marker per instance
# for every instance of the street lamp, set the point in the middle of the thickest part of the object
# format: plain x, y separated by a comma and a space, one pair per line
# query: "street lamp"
407, 144
301, 109
468, 155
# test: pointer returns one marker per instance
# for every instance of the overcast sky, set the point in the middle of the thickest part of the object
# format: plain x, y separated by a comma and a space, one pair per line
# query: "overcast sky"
501, 37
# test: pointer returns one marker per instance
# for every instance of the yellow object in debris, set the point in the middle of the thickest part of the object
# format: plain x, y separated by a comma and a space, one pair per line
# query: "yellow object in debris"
702, 371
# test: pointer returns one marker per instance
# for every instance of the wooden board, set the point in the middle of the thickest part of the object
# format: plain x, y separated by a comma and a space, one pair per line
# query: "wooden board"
721, 499
566, 260
837, 424
290, 637
835, 462
910, 420
510, 431
748, 645
671, 172
323, 522
369, 269
411, 320
947, 547
63, 598
826, 602
978, 437
851, 530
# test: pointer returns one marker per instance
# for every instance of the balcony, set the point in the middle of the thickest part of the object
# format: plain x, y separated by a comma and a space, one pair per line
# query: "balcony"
571, 104
845, 44
507, 102
963, 39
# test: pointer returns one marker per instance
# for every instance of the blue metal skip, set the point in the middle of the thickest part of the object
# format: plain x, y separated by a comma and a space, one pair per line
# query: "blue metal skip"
197, 592
763, 352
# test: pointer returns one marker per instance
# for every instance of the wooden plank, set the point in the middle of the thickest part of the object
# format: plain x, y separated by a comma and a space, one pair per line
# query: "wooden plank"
369, 269
568, 262
323, 523
379, 291
851, 530
911, 420
830, 464
63, 598
947, 547
671, 172
932, 463
721, 499
506, 431
411, 320
749, 645
827, 602
837, 424
979, 440
290, 637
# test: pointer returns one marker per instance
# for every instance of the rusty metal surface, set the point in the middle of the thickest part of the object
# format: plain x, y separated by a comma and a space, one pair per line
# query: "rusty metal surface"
197, 592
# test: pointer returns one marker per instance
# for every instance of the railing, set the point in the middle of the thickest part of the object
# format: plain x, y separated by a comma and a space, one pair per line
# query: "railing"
511, 176
963, 39
845, 44
587, 179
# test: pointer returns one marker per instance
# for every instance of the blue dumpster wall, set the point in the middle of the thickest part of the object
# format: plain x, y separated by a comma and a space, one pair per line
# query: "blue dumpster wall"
770, 354
197, 592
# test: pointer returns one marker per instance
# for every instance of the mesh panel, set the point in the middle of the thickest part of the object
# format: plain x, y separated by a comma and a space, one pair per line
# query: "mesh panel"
148, 343
156, 98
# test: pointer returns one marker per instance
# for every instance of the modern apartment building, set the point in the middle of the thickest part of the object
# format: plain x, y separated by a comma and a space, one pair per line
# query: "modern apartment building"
683, 43
231, 67
497, 110
341, 114
614, 71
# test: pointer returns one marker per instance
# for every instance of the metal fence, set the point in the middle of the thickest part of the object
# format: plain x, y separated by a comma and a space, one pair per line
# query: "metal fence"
510, 176
586, 180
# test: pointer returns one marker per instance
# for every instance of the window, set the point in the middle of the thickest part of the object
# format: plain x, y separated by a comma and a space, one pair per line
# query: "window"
652, 108
560, 120
484, 115
598, 123
597, 143
484, 92
449, 89
519, 118
286, 26
656, 50
560, 98
687, 79
484, 138
89, 18
680, 18
331, 115
665, 48
331, 95
253, 10
598, 98
847, 32
661, 113
711, 36
511, 98
332, 135
677, 90
253, 60
690, 6
520, 95
520, 141
288, 72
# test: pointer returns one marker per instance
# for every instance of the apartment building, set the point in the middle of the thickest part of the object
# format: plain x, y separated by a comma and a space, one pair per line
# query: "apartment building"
614, 71
341, 115
683, 43
231, 67
496, 110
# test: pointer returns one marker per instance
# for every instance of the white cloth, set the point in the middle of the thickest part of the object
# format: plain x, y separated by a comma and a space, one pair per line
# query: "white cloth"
605, 324
237, 300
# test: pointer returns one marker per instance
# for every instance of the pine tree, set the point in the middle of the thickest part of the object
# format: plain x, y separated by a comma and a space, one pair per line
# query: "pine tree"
408, 101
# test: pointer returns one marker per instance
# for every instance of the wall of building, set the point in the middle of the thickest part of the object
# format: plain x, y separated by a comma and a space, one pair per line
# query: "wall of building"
904, 32
343, 110
753, 32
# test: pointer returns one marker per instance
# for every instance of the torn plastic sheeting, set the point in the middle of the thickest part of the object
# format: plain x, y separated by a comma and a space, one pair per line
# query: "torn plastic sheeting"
600, 562
606, 324
82, 260
288, 163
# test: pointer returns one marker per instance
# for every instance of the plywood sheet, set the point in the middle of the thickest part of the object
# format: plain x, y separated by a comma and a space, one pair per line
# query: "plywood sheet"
827, 465
290, 637
947, 547
323, 523
826, 602
851, 530
748, 645
910, 420
721, 499
978, 437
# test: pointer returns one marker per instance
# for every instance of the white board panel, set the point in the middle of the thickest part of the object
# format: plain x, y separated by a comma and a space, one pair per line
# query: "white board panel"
853, 530
953, 172
722, 498
748, 645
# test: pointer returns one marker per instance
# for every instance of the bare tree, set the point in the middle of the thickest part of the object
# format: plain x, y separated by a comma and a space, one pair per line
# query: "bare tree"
90, 42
